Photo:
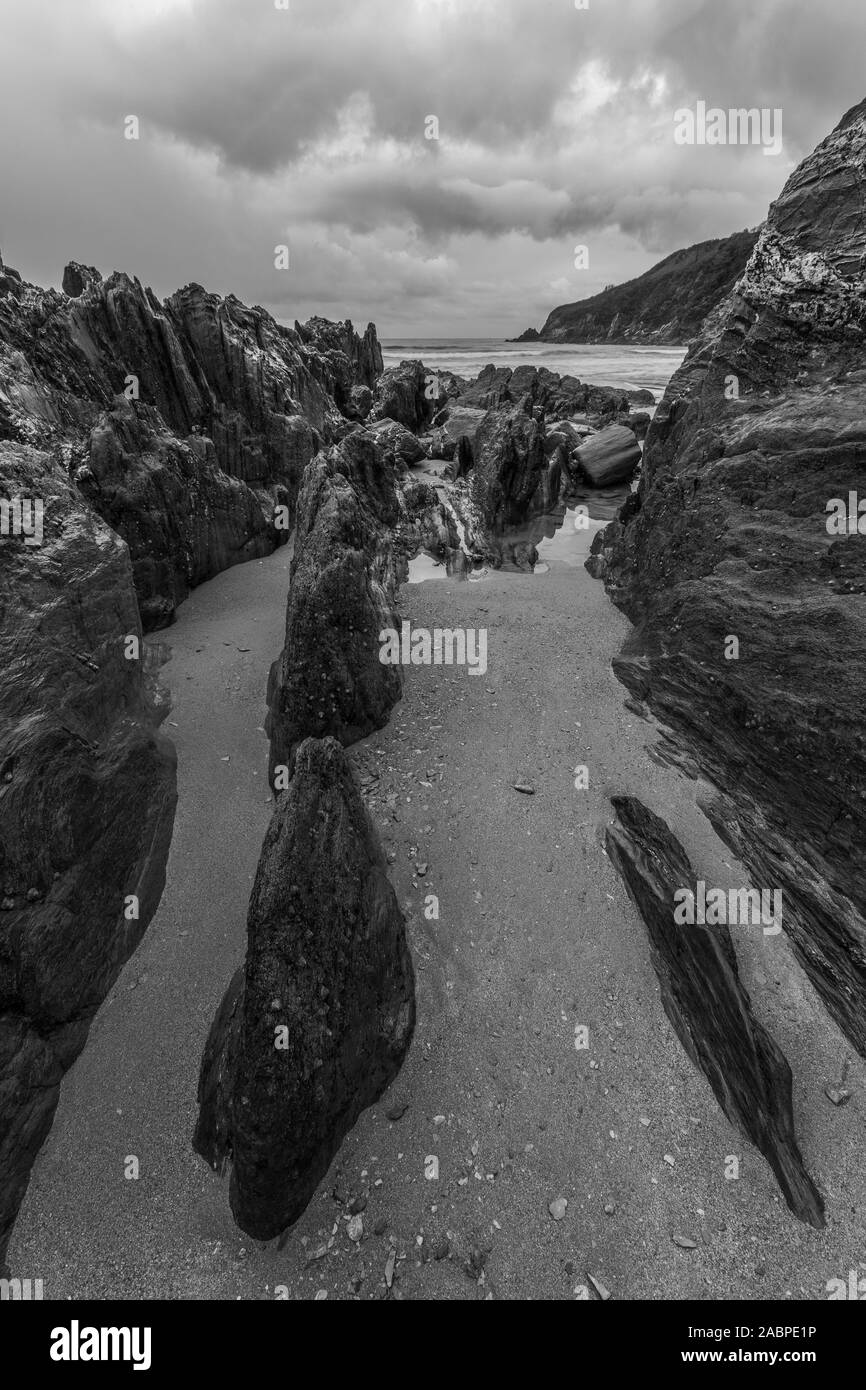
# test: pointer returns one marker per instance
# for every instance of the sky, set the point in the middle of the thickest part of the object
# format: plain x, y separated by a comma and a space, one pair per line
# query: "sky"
308, 126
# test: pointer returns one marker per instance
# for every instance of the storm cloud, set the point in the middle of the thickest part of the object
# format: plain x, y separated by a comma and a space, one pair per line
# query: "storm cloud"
308, 126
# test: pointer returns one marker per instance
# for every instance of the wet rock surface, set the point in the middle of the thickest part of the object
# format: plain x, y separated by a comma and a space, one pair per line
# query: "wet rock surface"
316, 1026
706, 1003
328, 678
87, 796
198, 414
751, 640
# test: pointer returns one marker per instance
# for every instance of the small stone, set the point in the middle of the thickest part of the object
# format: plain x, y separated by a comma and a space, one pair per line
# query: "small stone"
389, 1268
356, 1228
837, 1096
603, 1293
581, 1292
321, 1295
684, 1243
431, 1168
557, 1208
526, 788
610, 1208
669, 1159
357, 1205
442, 1248
380, 1227
397, 1110
421, 870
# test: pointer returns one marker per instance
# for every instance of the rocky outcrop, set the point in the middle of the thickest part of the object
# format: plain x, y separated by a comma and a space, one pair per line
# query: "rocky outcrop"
87, 794
409, 394
666, 305
232, 407
183, 518
511, 478
612, 456
559, 396
316, 1025
344, 578
751, 640
706, 1003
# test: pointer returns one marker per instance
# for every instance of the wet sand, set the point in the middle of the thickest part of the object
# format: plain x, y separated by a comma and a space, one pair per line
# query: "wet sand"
535, 937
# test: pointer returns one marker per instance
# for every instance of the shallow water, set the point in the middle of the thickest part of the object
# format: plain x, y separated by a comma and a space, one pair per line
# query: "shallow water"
562, 538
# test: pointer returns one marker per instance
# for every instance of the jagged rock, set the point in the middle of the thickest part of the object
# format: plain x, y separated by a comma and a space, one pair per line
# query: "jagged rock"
409, 394
511, 479
727, 537
666, 305
77, 277
329, 679
707, 1005
612, 456
316, 1025
140, 478
265, 396
396, 439
87, 795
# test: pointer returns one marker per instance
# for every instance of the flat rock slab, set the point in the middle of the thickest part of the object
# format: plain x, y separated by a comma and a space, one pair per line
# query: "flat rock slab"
705, 1001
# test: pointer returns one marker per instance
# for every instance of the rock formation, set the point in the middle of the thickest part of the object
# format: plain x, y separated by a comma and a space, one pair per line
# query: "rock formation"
612, 456
751, 637
329, 679
705, 1001
511, 478
87, 794
666, 305
316, 1025
188, 421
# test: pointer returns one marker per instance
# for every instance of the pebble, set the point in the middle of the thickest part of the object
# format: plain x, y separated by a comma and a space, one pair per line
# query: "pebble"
398, 1110
684, 1243
356, 1228
431, 1168
525, 787
557, 1208
838, 1097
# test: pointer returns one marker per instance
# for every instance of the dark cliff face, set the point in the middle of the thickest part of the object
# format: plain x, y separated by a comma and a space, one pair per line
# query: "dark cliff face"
666, 305
763, 426
188, 422
87, 794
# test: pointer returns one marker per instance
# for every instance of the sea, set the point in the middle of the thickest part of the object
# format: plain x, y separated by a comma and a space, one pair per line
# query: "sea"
631, 368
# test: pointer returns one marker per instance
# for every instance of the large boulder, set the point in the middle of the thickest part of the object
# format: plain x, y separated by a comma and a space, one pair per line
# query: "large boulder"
612, 456
409, 394
316, 1024
87, 796
328, 678
749, 603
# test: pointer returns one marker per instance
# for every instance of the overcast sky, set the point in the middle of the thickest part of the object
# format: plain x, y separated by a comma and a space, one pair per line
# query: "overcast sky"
261, 126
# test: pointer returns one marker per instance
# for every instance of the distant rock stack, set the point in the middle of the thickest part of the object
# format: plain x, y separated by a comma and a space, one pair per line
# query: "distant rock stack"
317, 1023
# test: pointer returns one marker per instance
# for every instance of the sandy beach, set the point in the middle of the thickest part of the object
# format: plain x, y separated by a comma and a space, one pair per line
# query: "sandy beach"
535, 938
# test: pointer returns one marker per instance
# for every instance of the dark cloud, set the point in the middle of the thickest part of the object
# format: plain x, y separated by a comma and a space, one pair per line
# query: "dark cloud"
260, 126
